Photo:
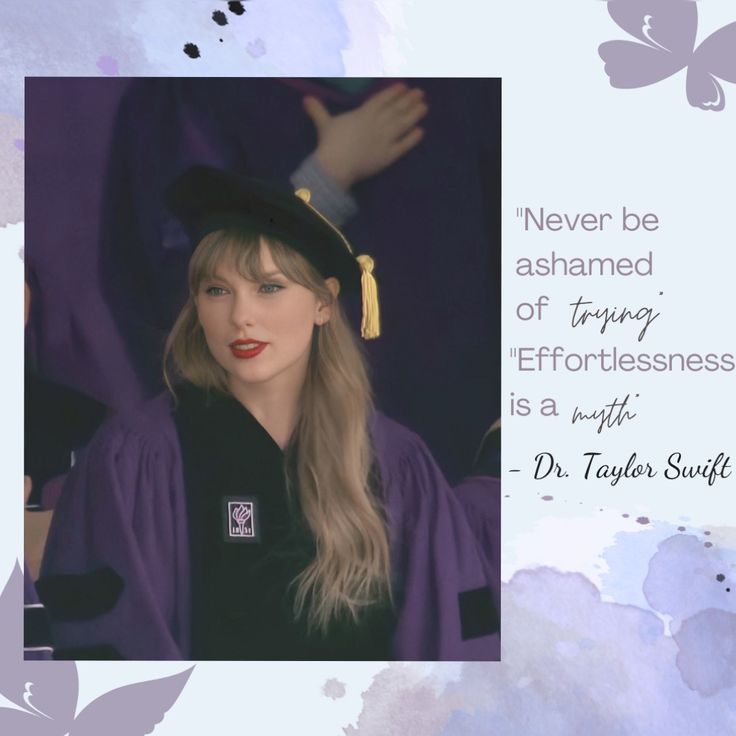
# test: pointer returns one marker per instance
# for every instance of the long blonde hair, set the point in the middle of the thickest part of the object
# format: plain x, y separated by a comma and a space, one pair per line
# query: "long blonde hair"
351, 567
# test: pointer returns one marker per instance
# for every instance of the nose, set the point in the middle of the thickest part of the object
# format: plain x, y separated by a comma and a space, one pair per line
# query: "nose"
242, 313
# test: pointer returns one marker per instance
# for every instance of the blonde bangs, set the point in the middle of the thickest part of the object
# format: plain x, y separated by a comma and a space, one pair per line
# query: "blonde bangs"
241, 249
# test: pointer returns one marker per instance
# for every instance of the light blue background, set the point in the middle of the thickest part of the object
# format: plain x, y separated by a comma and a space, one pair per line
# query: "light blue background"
573, 662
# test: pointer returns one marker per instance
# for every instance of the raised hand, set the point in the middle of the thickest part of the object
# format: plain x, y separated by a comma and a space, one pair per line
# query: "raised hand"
357, 144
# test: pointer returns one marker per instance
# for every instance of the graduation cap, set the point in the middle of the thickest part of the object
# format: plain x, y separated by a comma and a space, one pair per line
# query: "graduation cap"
206, 199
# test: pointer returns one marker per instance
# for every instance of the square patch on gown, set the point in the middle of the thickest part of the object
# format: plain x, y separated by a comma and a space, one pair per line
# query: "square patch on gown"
240, 519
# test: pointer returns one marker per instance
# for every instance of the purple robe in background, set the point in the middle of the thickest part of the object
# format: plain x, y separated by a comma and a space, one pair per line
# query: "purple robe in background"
123, 511
109, 264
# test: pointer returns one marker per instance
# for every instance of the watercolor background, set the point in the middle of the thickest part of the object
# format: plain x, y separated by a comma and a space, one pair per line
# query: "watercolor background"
619, 602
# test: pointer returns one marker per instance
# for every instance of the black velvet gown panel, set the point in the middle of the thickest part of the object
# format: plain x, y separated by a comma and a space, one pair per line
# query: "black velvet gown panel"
248, 541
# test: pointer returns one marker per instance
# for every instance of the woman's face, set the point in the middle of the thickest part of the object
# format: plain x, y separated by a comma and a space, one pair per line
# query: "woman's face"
259, 332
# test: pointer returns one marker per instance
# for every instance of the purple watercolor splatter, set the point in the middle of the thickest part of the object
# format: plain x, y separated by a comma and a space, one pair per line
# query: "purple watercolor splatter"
571, 663
642, 520
399, 702
108, 66
334, 689
256, 48
707, 656
679, 581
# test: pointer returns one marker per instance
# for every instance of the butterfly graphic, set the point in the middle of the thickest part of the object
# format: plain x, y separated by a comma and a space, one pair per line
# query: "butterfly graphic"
46, 692
667, 30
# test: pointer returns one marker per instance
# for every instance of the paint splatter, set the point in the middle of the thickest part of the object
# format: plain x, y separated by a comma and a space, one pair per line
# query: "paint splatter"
108, 66
256, 48
219, 17
12, 143
400, 701
333, 689
236, 8
706, 533
547, 498
626, 516
706, 662
679, 580
720, 577
680, 528
642, 519
191, 50
708, 544
593, 639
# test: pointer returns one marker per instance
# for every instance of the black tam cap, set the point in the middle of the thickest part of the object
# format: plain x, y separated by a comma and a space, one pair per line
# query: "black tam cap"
206, 199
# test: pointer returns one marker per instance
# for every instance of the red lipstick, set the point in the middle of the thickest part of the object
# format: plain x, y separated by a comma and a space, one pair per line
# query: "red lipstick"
245, 349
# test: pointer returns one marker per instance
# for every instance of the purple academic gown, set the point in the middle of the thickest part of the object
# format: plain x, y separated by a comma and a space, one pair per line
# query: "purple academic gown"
124, 507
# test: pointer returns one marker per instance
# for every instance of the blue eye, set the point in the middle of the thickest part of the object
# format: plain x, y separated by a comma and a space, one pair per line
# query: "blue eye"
269, 288
215, 291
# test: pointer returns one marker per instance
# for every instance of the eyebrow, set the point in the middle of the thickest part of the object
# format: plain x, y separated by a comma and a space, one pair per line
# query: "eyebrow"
271, 274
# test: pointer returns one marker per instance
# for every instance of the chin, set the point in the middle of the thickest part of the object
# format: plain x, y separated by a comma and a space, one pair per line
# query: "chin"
251, 374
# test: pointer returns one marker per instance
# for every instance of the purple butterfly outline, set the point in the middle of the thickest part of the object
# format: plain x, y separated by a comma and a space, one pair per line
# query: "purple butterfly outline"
47, 691
667, 29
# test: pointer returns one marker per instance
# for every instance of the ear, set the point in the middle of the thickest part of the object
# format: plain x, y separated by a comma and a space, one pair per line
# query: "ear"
324, 309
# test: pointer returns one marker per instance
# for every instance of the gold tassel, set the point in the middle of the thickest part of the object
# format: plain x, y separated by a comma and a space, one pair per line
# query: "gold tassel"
370, 325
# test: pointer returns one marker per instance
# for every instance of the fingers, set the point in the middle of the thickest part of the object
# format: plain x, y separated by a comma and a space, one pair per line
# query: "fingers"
361, 142
318, 113
385, 97
411, 99
400, 121
401, 110
409, 116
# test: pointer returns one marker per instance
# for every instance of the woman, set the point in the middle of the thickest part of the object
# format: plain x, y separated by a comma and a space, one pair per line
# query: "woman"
267, 512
